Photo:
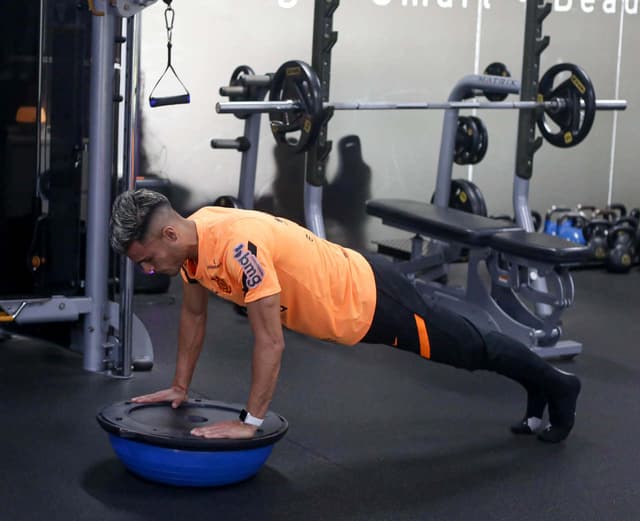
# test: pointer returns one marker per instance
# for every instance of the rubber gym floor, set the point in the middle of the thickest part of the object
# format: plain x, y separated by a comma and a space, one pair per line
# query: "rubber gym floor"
375, 434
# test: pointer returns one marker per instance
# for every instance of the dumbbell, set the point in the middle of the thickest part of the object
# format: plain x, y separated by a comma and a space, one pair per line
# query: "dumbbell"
595, 233
621, 240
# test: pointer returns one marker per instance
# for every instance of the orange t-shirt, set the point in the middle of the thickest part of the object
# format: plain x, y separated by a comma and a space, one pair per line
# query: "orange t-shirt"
326, 291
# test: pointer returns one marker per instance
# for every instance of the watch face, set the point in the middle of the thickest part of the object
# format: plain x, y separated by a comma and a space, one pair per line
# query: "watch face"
243, 415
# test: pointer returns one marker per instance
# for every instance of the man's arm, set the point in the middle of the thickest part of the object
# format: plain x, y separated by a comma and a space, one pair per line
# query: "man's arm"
264, 317
193, 320
193, 324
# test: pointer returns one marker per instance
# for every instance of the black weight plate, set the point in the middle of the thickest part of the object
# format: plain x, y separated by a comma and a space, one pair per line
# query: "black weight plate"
239, 72
159, 424
466, 196
467, 141
573, 122
497, 69
227, 201
480, 206
482, 142
298, 129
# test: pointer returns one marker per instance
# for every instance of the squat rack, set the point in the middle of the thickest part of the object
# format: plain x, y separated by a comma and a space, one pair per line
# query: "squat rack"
324, 38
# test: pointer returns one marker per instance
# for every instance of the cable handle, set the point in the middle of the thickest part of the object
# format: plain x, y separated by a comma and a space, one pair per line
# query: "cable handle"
169, 18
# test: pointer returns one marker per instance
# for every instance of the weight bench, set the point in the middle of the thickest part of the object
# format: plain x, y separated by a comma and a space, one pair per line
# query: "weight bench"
530, 284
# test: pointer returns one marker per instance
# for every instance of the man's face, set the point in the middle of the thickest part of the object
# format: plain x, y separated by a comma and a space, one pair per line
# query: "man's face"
157, 255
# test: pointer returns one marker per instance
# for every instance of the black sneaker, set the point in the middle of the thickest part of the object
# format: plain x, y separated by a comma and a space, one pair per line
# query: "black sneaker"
529, 425
532, 421
562, 411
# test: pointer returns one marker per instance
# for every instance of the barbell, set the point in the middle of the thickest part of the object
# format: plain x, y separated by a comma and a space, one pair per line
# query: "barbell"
297, 112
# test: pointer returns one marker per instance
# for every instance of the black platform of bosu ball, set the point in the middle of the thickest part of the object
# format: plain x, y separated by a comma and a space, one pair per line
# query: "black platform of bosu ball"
154, 441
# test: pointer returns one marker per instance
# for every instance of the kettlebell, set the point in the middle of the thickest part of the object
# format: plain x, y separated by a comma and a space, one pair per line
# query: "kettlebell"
610, 215
621, 241
551, 226
570, 227
595, 233
587, 210
621, 209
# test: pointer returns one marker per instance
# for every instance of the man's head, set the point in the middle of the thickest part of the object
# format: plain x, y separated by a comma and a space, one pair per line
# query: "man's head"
145, 227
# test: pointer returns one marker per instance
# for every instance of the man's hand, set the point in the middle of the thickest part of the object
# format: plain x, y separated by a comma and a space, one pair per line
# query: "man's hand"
175, 395
230, 429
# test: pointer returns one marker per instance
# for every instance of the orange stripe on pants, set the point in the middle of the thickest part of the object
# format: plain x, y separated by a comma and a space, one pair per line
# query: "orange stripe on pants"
425, 346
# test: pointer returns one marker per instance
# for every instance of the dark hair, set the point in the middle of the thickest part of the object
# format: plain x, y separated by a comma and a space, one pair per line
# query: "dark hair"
130, 216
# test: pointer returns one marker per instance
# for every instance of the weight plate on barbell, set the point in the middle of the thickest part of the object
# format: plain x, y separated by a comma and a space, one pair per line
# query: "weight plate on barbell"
573, 121
295, 80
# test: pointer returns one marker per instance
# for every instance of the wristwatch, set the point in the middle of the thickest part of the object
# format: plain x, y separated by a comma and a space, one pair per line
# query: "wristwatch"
246, 417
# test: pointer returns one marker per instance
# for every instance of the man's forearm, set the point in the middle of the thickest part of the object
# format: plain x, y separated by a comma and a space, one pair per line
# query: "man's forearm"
265, 370
190, 340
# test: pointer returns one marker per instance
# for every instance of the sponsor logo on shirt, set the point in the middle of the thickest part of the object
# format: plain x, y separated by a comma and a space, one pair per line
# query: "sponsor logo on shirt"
253, 272
222, 284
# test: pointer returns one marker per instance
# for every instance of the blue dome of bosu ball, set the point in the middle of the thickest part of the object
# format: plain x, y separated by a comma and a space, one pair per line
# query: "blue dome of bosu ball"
153, 441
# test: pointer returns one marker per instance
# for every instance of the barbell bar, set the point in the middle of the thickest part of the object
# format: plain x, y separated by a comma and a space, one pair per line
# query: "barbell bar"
253, 107
566, 109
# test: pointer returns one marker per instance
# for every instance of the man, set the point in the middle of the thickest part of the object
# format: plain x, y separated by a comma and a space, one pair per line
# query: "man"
285, 275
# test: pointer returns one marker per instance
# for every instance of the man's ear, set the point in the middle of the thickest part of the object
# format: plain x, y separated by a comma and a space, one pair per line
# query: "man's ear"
169, 233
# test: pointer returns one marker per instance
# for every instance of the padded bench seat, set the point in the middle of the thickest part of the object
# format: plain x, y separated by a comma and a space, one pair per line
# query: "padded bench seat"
440, 223
474, 230
541, 247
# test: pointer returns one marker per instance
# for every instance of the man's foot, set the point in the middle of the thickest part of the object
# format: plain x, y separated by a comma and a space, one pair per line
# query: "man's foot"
532, 421
562, 409
529, 425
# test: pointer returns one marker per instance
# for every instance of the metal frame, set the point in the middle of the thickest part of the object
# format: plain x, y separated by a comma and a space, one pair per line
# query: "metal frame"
248, 144
110, 340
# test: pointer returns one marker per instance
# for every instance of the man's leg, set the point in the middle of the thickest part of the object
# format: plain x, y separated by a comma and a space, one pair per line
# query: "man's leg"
404, 320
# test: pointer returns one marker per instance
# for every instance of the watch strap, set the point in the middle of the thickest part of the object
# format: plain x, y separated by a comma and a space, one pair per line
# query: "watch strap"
249, 419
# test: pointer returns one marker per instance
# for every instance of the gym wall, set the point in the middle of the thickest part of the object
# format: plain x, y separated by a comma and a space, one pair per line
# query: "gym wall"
396, 50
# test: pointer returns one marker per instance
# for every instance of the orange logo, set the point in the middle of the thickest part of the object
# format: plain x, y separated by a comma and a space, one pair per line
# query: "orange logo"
223, 285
